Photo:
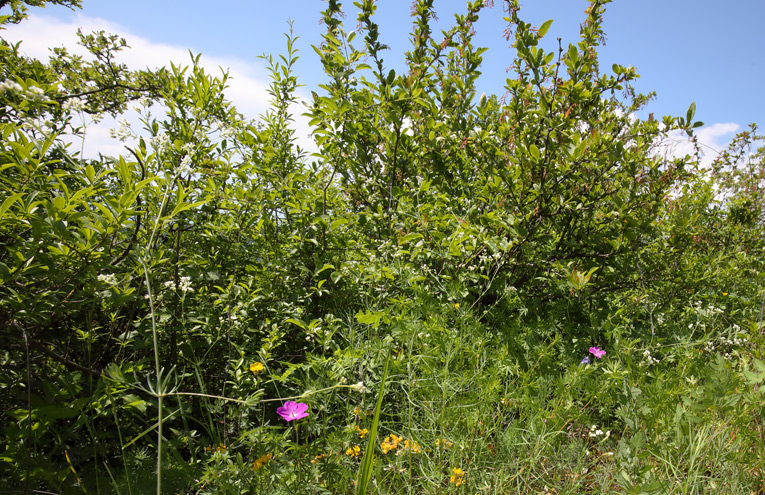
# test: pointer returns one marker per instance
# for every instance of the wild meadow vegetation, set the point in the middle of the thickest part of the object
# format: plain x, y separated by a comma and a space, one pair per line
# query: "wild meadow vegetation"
459, 293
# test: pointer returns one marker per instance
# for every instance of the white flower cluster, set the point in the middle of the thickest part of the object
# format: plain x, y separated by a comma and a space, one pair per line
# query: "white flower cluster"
10, 86
35, 93
227, 132
161, 143
185, 165
36, 124
73, 105
649, 358
141, 103
723, 342
31, 93
358, 387
184, 285
107, 278
596, 432
123, 132
490, 258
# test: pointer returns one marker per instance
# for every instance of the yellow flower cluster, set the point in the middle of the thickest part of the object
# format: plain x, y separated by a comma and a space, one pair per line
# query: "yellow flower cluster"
353, 451
390, 443
256, 367
262, 460
218, 448
359, 413
319, 457
458, 477
413, 447
362, 433
446, 444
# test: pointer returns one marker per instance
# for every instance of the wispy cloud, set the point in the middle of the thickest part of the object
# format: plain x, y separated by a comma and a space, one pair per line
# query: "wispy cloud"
712, 139
247, 84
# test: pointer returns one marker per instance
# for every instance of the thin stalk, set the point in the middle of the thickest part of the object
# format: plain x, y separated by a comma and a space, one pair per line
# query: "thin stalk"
159, 387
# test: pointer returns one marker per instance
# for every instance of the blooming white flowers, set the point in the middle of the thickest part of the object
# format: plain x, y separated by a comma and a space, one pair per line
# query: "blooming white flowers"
35, 93
597, 432
11, 86
184, 285
161, 143
185, 165
123, 132
358, 387
74, 105
140, 104
649, 358
31, 93
107, 278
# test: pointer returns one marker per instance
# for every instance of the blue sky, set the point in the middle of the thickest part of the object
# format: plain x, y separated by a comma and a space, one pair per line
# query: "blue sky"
685, 50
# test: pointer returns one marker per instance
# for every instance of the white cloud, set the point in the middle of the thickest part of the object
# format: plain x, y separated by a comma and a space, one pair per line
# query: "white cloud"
247, 84
712, 140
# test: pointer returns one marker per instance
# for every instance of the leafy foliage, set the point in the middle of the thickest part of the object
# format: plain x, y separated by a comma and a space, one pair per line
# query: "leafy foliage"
454, 254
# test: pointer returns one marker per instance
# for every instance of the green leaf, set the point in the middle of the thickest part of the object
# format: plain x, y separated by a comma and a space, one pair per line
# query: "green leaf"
391, 77
8, 202
409, 238
185, 206
534, 151
365, 469
299, 323
544, 28
370, 318
691, 112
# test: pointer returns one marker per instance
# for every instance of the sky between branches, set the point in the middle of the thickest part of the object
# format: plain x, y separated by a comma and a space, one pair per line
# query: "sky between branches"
685, 50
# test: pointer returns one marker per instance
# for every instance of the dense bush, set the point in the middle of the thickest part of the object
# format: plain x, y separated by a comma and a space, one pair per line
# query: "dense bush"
158, 307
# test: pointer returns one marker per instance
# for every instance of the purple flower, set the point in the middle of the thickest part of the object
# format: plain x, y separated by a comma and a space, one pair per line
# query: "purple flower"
292, 410
584, 361
597, 352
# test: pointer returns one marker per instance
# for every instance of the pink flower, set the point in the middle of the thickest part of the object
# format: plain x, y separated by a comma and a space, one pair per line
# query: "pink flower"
292, 410
597, 352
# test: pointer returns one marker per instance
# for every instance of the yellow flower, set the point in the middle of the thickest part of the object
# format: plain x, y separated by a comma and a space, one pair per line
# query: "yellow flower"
443, 442
458, 477
353, 451
456, 305
218, 448
413, 447
320, 457
262, 460
390, 443
362, 433
256, 367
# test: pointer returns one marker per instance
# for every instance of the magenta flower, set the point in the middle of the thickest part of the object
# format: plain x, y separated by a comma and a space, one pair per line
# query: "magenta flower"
597, 352
292, 410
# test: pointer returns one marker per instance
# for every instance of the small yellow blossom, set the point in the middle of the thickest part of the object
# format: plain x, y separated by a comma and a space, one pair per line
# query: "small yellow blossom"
390, 443
262, 460
458, 477
446, 444
413, 447
456, 305
353, 451
362, 432
256, 367
320, 457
